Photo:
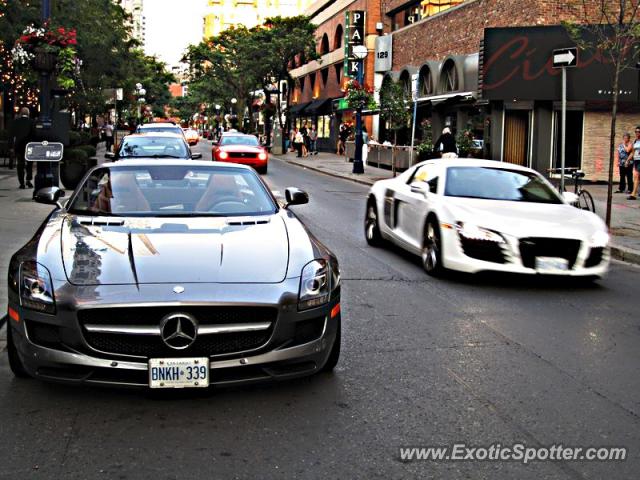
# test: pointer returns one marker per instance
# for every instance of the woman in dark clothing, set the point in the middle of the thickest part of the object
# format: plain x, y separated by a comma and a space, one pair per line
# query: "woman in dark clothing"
446, 144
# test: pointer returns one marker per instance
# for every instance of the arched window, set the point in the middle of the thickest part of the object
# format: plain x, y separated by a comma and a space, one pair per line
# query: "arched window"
312, 80
449, 77
338, 67
337, 38
325, 75
405, 82
426, 82
324, 44
301, 82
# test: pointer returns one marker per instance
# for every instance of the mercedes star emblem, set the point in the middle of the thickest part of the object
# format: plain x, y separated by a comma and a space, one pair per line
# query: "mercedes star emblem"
179, 330
178, 289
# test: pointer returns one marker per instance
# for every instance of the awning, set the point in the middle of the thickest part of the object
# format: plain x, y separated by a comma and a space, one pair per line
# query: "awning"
457, 96
319, 107
298, 108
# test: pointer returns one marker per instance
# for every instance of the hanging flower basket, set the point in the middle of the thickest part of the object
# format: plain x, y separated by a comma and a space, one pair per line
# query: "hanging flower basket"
360, 96
48, 50
44, 61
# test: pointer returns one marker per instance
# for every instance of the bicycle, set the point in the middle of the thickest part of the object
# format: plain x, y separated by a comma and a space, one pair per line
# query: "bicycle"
585, 200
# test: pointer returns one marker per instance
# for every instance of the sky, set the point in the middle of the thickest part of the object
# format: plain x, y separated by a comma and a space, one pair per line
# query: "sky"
171, 26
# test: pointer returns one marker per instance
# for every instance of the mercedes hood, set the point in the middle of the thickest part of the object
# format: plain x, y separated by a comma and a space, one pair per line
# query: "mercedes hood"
120, 251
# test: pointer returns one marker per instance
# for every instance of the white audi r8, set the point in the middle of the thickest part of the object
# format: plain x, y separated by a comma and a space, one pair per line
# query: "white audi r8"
480, 215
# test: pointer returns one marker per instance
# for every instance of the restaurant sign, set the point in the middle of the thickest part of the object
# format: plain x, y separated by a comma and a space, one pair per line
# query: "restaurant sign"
517, 64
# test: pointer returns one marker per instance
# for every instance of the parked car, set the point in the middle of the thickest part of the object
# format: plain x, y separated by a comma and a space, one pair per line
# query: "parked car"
479, 215
191, 135
172, 274
243, 149
159, 127
153, 145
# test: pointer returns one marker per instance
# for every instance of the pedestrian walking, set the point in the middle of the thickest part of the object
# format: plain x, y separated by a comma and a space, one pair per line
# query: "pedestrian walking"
298, 142
305, 136
313, 140
365, 146
636, 165
446, 144
22, 131
344, 135
625, 164
108, 135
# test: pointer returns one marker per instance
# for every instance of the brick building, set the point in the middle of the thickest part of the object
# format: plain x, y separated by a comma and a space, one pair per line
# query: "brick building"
318, 84
515, 120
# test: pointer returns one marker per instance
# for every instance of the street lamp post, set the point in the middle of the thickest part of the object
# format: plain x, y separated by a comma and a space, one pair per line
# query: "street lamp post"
140, 93
233, 110
360, 52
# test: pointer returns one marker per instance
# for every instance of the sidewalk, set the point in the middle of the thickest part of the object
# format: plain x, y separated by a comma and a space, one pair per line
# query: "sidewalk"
625, 228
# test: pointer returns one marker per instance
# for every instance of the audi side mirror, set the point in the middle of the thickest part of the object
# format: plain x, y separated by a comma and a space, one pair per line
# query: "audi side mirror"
295, 196
110, 155
196, 156
570, 197
49, 196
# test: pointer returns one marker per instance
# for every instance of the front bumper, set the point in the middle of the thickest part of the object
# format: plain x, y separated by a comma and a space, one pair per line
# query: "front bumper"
455, 258
285, 355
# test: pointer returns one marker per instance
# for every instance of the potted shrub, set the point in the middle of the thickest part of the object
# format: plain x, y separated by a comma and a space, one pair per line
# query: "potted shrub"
464, 141
75, 164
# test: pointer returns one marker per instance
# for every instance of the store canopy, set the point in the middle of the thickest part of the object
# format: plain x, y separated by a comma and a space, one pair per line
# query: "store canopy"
319, 107
448, 97
298, 108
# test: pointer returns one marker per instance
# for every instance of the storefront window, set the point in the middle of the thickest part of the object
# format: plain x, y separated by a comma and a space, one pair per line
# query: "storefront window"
324, 126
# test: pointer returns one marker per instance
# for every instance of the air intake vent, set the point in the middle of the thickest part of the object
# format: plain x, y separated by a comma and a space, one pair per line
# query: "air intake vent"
100, 221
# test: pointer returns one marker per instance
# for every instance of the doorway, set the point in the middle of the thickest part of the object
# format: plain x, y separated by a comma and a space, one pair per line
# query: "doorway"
575, 123
516, 137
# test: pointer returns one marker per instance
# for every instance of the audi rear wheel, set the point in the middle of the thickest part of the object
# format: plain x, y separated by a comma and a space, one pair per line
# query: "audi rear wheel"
432, 249
371, 225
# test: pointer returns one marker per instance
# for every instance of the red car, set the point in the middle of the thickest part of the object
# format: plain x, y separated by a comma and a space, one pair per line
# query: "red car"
240, 148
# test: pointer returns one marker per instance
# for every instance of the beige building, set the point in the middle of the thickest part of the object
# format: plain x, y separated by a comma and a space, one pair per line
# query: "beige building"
138, 21
222, 14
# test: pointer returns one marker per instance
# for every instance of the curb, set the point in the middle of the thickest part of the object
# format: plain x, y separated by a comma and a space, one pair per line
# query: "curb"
366, 182
625, 254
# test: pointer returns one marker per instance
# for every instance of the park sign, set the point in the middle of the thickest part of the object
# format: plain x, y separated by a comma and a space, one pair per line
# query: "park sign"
43, 152
518, 64
354, 35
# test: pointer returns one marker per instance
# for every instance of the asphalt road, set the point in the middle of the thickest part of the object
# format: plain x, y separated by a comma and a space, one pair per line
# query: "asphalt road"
425, 362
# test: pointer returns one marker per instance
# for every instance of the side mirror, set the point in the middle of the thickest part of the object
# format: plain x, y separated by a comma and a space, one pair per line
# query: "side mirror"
49, 196
213, 142
110, 155
570, 197
196, 156
420, 188
295, 196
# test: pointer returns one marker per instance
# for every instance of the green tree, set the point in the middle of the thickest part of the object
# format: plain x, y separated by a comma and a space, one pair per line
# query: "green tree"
616, 37
394, 110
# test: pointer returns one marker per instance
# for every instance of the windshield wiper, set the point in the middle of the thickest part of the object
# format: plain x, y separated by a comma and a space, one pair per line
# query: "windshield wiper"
157, 155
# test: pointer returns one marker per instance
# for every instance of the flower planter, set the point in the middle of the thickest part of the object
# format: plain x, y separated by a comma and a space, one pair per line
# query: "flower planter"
71, 173
44, 61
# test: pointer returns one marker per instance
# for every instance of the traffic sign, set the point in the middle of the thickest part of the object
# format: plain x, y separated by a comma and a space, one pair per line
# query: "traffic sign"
565, 57
43, 152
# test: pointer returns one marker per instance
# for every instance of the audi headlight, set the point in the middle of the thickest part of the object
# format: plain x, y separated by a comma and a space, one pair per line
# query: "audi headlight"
474, 232
600, 239
36, 288
314, 285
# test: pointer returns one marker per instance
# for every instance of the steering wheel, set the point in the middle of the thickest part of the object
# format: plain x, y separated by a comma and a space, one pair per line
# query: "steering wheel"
228, 199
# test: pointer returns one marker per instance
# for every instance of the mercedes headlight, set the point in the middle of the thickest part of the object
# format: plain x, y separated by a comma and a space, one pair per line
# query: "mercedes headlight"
474, 232
36, 288
314, 285
600, 239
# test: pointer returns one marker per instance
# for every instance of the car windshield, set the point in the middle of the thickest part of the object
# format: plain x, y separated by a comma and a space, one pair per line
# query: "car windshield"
172, 190
248, 140
160, 129
498, 184
156, 147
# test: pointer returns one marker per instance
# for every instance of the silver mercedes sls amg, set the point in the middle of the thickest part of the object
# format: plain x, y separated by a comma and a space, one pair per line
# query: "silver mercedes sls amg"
172, 274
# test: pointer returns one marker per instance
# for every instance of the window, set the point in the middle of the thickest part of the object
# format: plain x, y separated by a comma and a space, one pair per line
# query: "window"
337, 38
324, 126
426, 82
499, 184
324, 44
152, 146
172, 190
338, 67
325, 75
573, 152
449, 77
312, 81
